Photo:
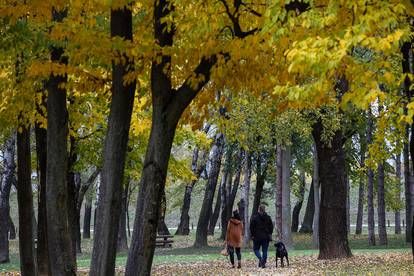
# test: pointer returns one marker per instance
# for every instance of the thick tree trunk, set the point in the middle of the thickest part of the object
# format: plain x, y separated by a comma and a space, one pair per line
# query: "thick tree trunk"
73, 188
278, 191
316, 192
245, 197
205, 213
286, 208
25, 203
333, 239
42, 244
87, 219
217, 208
114, 153
382, 228
398, 176
370, 184
306, 226
58, 233
122, 243
361, 193
6, 183
298, 205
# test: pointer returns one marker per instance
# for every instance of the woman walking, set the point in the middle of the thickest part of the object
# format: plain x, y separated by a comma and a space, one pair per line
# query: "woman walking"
234, 238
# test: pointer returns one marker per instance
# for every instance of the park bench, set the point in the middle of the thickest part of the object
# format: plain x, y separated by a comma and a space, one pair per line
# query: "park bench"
164, 241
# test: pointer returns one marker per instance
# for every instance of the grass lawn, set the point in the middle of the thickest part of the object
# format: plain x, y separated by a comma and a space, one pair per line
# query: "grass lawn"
184, 259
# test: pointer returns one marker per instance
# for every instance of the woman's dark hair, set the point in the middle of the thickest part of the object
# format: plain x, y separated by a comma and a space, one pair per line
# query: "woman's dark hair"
236, 215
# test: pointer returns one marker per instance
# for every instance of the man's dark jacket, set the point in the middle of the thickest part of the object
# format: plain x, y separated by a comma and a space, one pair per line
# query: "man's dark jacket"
261, 227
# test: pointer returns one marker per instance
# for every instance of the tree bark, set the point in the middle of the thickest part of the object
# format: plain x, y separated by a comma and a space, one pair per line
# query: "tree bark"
217, 208
122, 243
371, 218
87, 219
348, 204
72, 192
309, 212
205, 213
6, 182
42, 244
398, 176
245, 197
226, 191
114, 153
298, 205
162, 227
333, 239
316, 197
361, 193
236, 181
286, 208
382, 228
12, 229
25, 204
59, 239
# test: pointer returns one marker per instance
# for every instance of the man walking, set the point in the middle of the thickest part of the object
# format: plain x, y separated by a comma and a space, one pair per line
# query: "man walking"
261, 229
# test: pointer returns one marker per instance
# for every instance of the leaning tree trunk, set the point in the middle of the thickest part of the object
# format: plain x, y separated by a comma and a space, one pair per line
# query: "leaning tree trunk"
42, 244
370, 184
398, 176
360, 212
245, 197
25, 204
114, 152
316, 189
309, 212
6, 183
87, 218
382, 228
298, 205
59, 240
122, 243
205, 213
333, 239
217, 207
286, 218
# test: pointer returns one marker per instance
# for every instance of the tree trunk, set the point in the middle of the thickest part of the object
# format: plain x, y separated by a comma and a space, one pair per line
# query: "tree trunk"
309, 212
278, 191
348, 204
382, 228
205, 213
333, 239
225, 192
370, 196
25, 204
162, 227
286, 208
6, 183
407, 67
12, 229
42, 244
217, 208
245, 197
398, 176
360, 212
114, 153
58, 233
87, 219
298, 205
122, 243
316, 189
236, 181
261, 171
72, 192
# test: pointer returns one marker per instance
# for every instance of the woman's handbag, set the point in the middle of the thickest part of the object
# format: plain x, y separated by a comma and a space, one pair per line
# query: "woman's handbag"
224, 251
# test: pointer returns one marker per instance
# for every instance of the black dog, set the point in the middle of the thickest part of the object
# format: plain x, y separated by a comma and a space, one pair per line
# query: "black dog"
281, 252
